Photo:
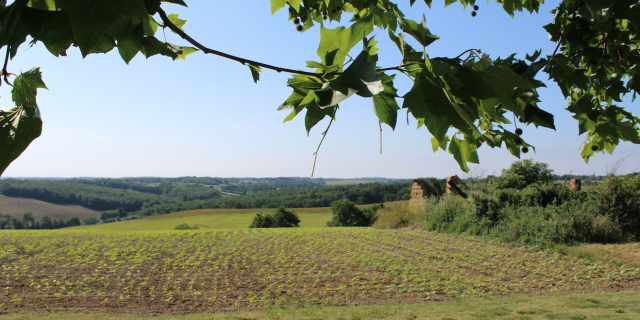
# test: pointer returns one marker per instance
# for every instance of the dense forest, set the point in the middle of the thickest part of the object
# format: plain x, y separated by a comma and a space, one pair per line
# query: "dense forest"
290, 198
74, 192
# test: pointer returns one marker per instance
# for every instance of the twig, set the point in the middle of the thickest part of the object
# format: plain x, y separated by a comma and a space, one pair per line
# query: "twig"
380, 124
324, 134
204, 49
4, 68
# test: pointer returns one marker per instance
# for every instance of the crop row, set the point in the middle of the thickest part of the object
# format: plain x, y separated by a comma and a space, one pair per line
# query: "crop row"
187, 271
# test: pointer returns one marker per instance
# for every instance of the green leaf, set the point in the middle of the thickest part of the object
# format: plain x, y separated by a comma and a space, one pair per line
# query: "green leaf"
177, 21
25, 87
339, 41
57, 34
186, 51
385, 105
277, 5
408, 53
360, 76
255, 72
128, 32
463, 152
106, 44
8, 19
315, 114
91, 18
34, 20
49, 5
420, 32
153, 46
538, 117
18, 129
20, 125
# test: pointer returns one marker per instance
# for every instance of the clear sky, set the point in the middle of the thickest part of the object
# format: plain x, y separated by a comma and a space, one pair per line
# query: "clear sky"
205, 116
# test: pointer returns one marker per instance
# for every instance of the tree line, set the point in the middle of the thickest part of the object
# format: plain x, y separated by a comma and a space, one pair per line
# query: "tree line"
73, 192
27, 221
290, 198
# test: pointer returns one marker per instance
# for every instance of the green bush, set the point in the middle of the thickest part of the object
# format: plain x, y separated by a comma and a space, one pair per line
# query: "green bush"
186, 226
522, 174
545, 214
281, 218
346, 214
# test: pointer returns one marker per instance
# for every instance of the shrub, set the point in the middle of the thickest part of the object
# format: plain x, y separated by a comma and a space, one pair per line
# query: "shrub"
522, 174
186, 226
545, 214
346, 214
281, 218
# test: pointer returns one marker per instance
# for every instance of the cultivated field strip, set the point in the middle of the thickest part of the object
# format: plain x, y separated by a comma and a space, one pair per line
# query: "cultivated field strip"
200, 271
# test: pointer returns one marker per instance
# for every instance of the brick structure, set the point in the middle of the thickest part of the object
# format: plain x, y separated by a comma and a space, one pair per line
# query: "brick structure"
419, 195
453, 180
575, 184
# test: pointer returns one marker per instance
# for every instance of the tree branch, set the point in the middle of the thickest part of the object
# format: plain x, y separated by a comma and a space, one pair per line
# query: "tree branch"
204, 49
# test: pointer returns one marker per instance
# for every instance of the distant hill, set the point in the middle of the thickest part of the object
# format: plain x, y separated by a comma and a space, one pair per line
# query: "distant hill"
16, 206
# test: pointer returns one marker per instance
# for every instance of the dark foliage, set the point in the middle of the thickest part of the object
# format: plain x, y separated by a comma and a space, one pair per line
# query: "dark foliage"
346, 214
281, 218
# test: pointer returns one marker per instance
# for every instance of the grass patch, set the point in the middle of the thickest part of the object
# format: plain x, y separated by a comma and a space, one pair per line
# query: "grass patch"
627, 253
217, 219
619, 305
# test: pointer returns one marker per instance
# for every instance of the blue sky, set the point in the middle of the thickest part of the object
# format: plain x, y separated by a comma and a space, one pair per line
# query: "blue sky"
205, 116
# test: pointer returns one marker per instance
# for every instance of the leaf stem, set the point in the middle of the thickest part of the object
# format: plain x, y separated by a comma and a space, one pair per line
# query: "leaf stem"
380, 124
4, 67
324, 134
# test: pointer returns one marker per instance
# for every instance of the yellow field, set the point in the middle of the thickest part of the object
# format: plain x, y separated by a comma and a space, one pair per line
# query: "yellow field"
215, 219
16, 206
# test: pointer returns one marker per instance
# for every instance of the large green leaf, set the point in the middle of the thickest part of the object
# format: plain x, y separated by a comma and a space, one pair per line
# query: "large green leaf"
339, 41
91, 18
129, 32
385, 105
464, 152
418, 31
18, 128
25, 88
360, 76
57, 34
20, 125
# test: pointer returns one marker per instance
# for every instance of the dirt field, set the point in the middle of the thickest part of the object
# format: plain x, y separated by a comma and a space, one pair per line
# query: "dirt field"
16, 206
181, 272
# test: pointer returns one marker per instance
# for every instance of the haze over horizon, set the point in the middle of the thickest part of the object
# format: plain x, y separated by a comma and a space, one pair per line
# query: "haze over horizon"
205, 116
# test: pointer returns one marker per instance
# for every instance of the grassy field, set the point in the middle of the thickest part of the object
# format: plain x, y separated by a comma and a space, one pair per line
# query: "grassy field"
214, 219
16, 206
182, 272
350, 182
618, 305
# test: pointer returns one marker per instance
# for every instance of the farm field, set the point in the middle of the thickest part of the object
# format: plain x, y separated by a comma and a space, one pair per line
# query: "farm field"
16, 206
179, 272
214, 219
350, 182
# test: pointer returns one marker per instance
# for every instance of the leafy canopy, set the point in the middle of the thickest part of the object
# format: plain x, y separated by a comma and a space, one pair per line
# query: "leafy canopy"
464, 102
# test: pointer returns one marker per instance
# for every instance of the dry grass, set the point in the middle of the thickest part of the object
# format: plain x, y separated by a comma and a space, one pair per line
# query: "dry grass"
628, 253
16, 206
397, 214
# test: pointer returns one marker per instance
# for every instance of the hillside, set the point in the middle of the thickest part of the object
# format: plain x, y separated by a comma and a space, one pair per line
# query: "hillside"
16, 206
213, 219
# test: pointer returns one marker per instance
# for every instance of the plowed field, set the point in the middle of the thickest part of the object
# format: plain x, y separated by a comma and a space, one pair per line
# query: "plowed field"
177, 272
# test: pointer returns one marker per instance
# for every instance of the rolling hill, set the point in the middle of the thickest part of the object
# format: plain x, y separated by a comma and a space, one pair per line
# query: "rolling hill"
16, 206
